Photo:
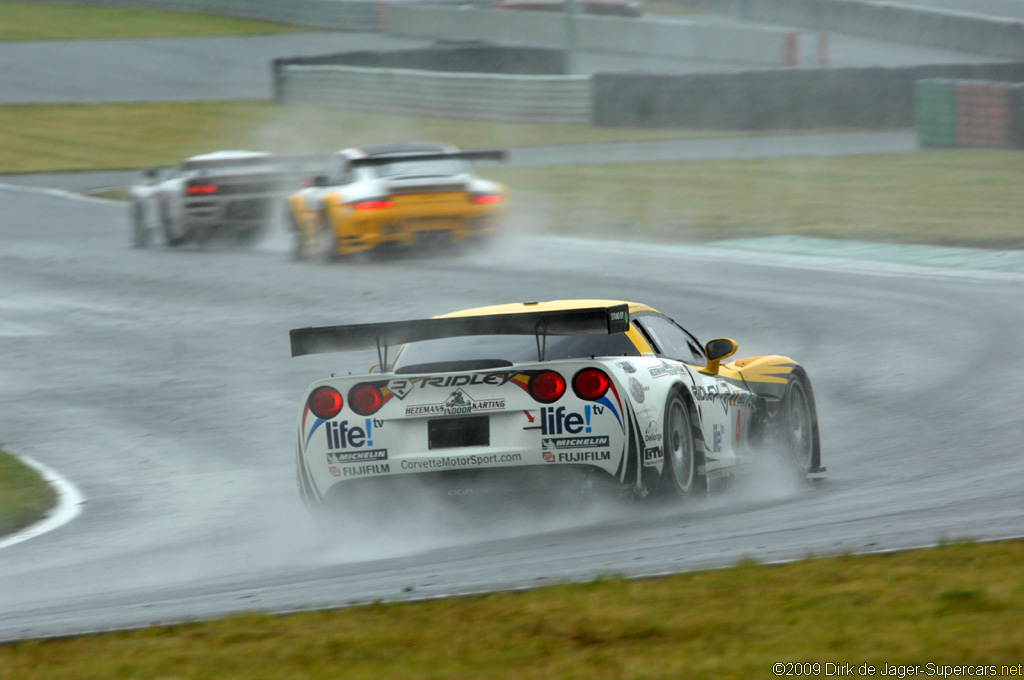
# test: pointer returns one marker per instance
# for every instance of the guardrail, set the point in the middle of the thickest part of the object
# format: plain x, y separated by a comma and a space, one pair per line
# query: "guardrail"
765, 99
662, 38
478, 96
990, 36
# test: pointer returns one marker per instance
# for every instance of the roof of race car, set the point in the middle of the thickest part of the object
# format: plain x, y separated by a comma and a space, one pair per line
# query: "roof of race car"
547, 306
228, 155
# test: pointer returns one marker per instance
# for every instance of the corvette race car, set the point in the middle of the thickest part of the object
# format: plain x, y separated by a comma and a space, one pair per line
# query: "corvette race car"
600, 395
400, 194
226, 192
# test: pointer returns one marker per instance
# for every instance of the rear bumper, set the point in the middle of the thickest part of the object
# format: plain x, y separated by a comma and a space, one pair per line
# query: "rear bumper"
489, 484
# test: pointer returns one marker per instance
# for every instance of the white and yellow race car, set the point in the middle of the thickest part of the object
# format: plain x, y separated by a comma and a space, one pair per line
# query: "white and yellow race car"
395, 194
529, 396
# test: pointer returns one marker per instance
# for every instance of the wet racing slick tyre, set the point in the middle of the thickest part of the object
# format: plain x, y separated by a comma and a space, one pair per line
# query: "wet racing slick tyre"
679, 478
799, 427
174, 234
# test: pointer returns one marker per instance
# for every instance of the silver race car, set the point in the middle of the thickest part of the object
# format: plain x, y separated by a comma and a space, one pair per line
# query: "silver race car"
232, 193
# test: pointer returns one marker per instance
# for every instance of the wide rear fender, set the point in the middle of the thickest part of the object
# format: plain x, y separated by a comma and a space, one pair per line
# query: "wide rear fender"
765, 375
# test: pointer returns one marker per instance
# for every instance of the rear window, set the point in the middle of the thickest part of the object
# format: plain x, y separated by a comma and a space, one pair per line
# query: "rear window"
504, 350
416, 168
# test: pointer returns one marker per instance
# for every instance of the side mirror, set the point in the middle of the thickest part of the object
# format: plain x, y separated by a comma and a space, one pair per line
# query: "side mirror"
718, 349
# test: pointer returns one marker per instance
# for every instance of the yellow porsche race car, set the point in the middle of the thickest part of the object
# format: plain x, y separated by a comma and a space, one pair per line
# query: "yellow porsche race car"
395, 194
515, 398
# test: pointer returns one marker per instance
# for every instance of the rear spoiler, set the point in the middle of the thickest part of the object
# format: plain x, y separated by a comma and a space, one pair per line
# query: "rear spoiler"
293, 161
585, 321
399, 157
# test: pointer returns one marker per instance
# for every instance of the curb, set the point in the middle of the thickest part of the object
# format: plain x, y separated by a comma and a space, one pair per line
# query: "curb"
69, 504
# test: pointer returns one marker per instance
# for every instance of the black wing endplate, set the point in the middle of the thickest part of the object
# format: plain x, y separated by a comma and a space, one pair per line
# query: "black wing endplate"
585, 321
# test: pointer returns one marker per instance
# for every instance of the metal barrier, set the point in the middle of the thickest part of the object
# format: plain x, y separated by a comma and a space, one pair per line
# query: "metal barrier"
479, 96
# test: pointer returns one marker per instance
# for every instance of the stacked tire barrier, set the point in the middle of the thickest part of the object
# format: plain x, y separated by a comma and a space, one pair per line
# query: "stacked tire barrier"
935, 101
777, 99
974, 114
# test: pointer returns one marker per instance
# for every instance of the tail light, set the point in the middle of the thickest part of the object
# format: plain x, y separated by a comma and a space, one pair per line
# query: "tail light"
365, 399
201, 189
373, 205
325, 402
547, 387
591, 383
482, 199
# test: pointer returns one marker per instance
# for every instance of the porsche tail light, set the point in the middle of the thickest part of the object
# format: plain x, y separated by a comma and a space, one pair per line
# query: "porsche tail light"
591, 383
547, 386
202, 189
373, 205
365, 399
482, 199
325, 402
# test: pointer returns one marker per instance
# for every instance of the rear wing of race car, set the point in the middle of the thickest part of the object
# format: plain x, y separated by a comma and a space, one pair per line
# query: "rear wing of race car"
257, 163
388, 159
584, 321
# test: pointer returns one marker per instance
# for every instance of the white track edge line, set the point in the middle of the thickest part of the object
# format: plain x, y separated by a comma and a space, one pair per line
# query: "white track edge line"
69, 504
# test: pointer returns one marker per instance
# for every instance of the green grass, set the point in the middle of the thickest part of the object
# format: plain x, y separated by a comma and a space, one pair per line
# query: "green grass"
24, 497
44, 21
957, 604
44, 138
963, 197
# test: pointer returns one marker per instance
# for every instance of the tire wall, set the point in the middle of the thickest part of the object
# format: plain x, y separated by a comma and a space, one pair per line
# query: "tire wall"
777, 99
970, 114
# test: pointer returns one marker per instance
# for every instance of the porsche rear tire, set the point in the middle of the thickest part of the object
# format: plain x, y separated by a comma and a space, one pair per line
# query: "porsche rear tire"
679, 477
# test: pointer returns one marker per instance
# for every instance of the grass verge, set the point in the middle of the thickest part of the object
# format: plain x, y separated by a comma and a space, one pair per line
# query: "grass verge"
24, 496
58, 21
67, 137
962, 197
957, 604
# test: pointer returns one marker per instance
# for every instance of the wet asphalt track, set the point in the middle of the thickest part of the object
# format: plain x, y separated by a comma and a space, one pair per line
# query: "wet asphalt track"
159, 381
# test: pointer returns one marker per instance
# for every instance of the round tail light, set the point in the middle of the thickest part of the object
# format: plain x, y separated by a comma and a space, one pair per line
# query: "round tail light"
547, 386
325, 402
591, 383
365, 399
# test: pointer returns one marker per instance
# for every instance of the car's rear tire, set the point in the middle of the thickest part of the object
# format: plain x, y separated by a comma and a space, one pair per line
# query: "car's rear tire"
142, 235
174, 235
679, 478
799, 430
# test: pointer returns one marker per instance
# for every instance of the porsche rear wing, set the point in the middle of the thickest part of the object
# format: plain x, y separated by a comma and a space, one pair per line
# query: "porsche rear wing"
583, 321
405, 156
